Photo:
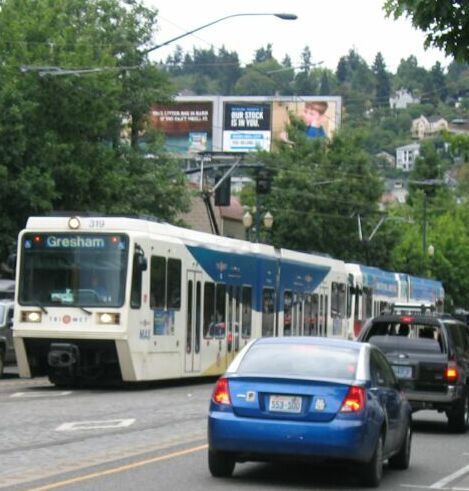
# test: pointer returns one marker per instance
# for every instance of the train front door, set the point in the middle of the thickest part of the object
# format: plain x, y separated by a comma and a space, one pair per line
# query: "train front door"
193, 321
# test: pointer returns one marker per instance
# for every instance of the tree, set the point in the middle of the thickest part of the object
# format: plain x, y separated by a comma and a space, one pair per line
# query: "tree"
410, 76
383, 82
446, 24
263, 54
317, 191
60, 139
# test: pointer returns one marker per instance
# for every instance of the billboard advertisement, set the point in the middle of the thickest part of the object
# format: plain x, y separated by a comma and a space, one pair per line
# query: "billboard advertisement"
320, 115
246, 127
187, 125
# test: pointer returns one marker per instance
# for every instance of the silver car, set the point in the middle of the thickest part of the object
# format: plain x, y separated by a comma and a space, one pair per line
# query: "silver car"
7, 352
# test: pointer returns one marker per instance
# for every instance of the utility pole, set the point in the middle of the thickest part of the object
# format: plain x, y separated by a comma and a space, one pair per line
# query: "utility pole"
424, 183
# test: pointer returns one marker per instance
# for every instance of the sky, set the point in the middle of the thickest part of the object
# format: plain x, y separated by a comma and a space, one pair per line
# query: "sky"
330, 28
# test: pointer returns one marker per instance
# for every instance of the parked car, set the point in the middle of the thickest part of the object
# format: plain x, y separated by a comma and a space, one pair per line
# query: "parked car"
430, 356
7, 352
309, 398
7, 289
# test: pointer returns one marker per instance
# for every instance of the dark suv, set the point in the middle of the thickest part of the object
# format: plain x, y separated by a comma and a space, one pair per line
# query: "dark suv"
430, 357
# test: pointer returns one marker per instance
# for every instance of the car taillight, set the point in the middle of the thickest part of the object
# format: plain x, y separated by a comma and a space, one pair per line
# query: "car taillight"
354, 400
451, 373
221, 393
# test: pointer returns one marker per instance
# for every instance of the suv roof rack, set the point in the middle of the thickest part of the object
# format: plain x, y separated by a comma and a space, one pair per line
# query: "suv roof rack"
411, 308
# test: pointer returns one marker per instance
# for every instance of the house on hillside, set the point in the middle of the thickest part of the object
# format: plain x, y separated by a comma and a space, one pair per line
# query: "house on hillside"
459, 126
402, 98
424, 127
406, 155
385, 159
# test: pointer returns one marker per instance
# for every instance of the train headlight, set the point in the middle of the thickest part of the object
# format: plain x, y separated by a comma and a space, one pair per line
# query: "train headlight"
108, 318
31, 316
74, 223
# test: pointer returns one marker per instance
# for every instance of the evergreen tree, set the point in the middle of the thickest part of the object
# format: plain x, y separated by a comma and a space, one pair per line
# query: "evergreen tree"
383, 84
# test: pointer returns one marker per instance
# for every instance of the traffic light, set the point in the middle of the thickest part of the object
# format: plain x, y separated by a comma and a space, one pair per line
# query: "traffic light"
223, 192
263, 182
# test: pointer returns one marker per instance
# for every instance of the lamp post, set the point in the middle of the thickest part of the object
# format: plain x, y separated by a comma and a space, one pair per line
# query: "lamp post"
247, 222
431, 253
282, 16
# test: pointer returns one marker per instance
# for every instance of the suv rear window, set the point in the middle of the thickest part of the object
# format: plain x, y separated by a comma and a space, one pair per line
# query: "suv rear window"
419, 335
300, 360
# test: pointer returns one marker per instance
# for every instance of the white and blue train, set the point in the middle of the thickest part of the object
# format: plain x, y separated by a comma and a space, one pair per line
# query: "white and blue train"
139, 300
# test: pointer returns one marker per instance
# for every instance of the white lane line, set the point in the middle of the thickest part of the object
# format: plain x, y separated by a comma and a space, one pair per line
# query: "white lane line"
41, 394
455, 475
420, 486
95, 425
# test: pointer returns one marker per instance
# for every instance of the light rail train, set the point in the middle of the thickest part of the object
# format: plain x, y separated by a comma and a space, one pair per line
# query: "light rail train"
135, 299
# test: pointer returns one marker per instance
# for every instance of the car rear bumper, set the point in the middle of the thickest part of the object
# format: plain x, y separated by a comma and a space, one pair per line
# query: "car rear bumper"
434, 400
340, 439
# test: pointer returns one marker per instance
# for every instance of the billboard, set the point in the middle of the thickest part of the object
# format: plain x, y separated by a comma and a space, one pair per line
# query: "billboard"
193, 124
246, 127
187, 125
321, 116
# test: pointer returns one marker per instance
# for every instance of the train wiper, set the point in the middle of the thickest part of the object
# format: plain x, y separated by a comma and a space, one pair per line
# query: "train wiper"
84, 310
37, 303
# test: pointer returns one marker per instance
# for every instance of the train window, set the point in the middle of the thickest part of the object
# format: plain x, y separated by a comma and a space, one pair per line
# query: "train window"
247, 311
369, 303
209, 310
136, 290
220, 313
342, 297
350, 291
189, 317
314, 313
334, 299
308, 318
157, 282
287, 312
326, 302
198, 293
356, 313
338, 300
174, 284
268, 310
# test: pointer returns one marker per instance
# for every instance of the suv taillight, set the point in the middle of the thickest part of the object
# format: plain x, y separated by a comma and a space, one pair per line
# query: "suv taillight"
354, 400
451, 373
221, 392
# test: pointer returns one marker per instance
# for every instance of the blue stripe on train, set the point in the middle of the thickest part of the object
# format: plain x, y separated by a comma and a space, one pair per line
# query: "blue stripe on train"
259, 271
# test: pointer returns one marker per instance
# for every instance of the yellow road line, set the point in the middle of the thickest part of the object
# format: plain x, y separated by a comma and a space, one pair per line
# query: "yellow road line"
122, 468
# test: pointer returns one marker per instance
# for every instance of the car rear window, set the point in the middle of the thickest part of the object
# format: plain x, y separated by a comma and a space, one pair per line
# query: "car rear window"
419, 335
300, 360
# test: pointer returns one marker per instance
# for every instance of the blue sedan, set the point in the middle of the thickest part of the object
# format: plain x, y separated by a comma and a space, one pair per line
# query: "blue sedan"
308, 398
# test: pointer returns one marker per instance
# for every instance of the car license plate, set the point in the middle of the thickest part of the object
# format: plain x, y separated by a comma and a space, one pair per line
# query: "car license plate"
402, 371
285, 404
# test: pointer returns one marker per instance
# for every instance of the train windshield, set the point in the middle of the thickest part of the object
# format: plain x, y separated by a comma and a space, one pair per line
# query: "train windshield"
83, 270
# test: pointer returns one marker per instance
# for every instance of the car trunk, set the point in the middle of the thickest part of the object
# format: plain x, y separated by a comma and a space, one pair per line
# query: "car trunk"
287, 399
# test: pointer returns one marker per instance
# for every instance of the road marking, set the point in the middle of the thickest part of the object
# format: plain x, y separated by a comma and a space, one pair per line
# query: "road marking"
41, 394
122, 468
443, 482
96, 425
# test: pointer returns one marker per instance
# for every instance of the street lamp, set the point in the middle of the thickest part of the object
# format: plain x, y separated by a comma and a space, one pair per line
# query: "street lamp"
268, 220
280, 16
247, 222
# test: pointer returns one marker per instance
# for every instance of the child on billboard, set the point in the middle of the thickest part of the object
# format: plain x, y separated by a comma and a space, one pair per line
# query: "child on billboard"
313, 116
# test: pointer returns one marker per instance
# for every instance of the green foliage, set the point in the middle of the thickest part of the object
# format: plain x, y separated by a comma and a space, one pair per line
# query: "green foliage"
319, 184
60, 145
444, 23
